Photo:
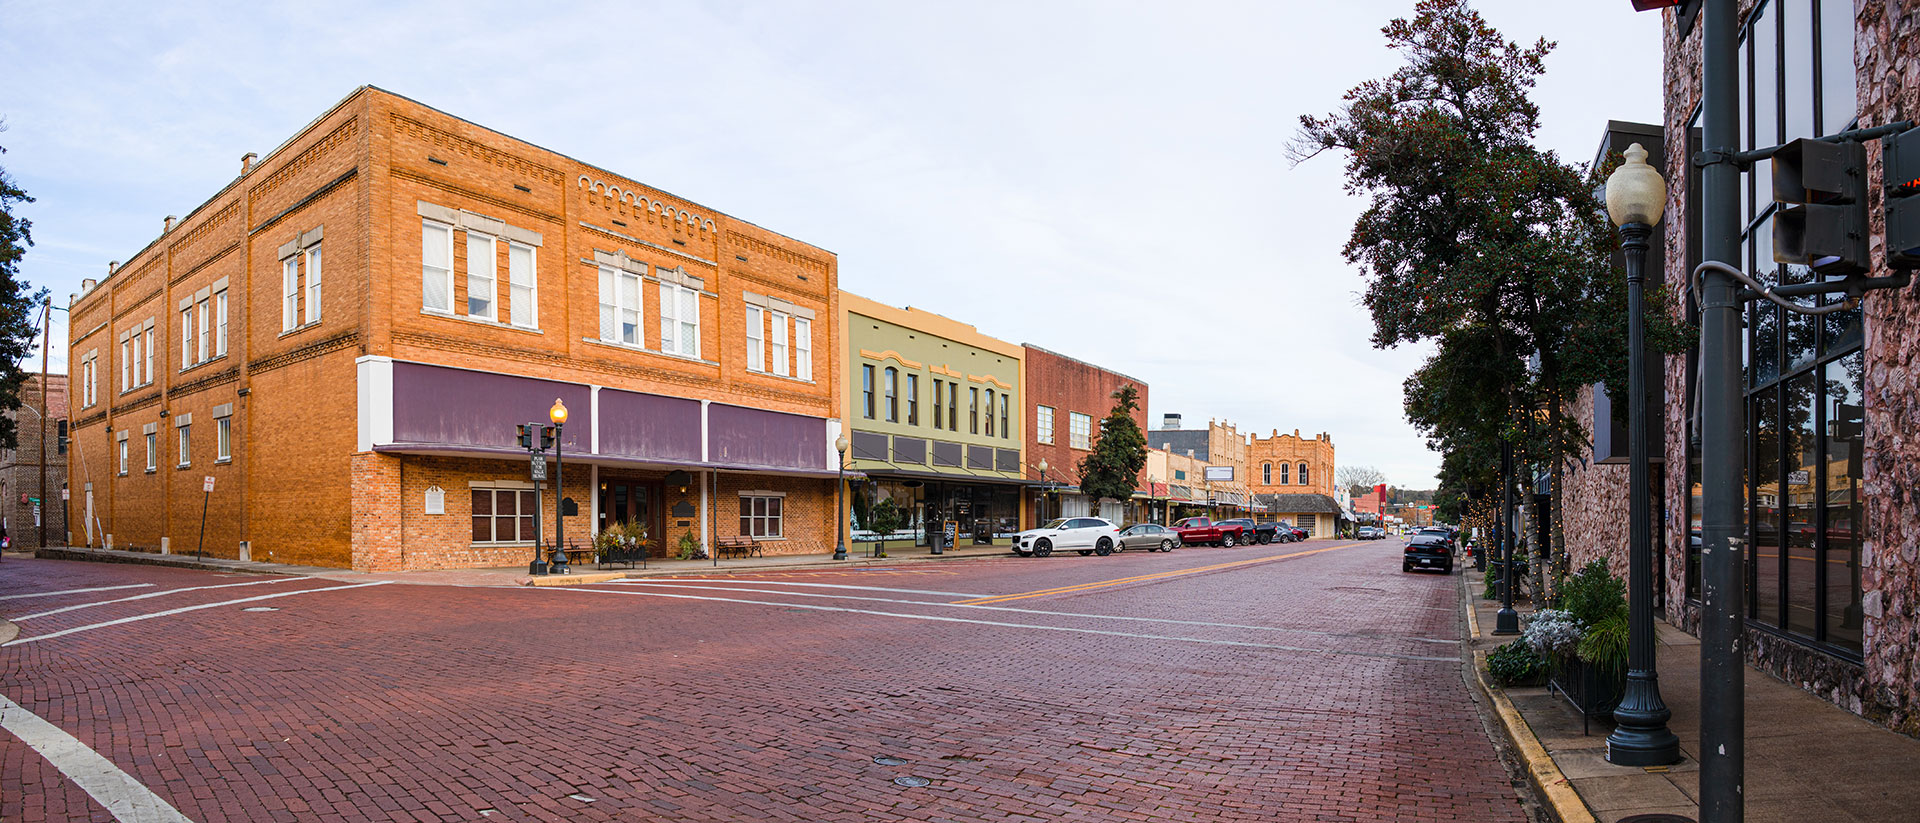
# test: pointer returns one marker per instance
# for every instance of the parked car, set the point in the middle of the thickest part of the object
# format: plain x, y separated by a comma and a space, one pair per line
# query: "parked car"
1444, 534
1086, 535
1299, 532
1204, 531
1369, 533
1254, 532
1282, 531
1428, 551
1150, 536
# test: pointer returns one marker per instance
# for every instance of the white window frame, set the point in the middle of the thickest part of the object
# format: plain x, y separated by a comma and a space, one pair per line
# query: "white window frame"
780, 344
803, 348
483, 266
756, 339
153, 452
148, 374
89, 372
220, 320
430, 270
186, 444
186, 338
313, 284
615, 308
290, 293
1079, 431
764, 525
1043, 424
123, 456
524, 313
201, 331
684, 333
126, 366
223, 439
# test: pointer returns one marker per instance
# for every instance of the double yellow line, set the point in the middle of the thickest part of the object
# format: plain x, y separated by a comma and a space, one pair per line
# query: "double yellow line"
1084, 587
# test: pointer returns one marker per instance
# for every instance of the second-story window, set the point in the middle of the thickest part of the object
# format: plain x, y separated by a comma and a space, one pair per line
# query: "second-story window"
147, 356
313, 285
1266, 474
289, 293
913, 399
220, 323
126, 366
953, 406
436, 267
186, 337
893, 394
973, 410
756, 339
866, 390
1043, 424
1006, 431
780, 358
803, 350
989, 412
203, 330
483, 266
939, 401
1283, 474
1079, 430
523, 286
1303, 474
186, 444
679, 320
620, 307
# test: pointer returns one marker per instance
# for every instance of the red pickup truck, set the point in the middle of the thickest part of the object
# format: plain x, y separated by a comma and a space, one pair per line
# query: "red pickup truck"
1202, 530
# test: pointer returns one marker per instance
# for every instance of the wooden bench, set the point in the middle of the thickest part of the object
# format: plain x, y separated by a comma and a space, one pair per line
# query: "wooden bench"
738, 546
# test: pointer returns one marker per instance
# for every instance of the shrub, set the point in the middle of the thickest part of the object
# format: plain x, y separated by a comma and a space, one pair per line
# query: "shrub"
1593, 595
1517, 664
690, 548
1605, 644
1553, 633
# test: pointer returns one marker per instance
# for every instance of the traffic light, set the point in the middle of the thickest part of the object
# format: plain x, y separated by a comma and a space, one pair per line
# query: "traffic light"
546, 436
1901, 176
1822, 221
524, 433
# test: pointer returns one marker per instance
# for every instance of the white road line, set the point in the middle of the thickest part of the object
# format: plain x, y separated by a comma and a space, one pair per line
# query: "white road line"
1017, 610
182, 610
939, 619
125, 797
76, 591
64, 609
643, 582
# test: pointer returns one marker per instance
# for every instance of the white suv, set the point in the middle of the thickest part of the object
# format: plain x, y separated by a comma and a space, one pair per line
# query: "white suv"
1086, 535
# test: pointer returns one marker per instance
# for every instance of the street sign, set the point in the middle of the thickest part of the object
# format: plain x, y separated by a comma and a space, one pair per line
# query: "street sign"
207, 484
539, 467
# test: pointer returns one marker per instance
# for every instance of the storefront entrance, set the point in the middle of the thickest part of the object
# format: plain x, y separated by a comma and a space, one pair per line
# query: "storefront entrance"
632, 501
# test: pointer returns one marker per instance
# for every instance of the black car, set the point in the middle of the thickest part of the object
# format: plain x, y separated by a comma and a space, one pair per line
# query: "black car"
1428, 551
1262, 532
1277, 531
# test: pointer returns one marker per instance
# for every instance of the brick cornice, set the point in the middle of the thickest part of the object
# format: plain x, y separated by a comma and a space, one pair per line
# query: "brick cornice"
307, 352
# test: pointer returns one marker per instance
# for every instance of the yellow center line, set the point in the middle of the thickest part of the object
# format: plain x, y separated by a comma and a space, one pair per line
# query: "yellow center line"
1142, 578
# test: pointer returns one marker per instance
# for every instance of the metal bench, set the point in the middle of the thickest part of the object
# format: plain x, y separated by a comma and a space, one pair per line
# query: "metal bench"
737, 546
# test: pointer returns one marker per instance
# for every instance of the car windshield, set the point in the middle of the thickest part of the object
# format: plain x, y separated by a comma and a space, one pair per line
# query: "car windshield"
1056, 524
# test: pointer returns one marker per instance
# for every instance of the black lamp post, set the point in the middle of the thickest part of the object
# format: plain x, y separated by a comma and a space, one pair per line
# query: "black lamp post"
558, 416
1506, 621
1635, 197
1045, 490
840, 501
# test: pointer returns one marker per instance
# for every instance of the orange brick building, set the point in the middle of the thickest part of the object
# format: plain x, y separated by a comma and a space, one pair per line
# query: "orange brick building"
1292, 477
345, 335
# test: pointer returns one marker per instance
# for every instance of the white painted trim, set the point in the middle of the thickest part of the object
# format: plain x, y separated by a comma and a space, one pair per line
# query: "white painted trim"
593, 406
703, 431
761, 493
500, 484
375, 389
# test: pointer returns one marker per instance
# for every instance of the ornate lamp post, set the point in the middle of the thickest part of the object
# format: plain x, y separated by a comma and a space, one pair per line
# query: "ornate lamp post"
840, 500
1635, 198
1044, 490
558, 416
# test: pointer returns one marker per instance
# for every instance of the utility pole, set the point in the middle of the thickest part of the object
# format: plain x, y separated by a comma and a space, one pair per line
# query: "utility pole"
46, 342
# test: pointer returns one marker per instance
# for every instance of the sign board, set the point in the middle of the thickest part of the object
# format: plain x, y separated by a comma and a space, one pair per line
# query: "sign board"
1219, 474
207, 484
436, 500
539, 466
950, 532
1798, 478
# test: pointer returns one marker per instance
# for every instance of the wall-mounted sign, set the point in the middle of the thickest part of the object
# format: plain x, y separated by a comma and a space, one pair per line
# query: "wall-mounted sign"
1798, 478
539, 468
683, 509
436, 500
1219, 474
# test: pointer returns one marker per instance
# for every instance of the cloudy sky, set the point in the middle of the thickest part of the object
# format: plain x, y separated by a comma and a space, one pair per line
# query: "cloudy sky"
1104, 179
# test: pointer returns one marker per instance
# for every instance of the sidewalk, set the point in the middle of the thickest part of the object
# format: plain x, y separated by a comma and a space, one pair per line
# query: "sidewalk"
1807, 760
517, 575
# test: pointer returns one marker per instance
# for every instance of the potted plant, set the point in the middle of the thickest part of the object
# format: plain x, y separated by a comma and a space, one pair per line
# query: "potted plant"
1585, 639
690, 547
883, 520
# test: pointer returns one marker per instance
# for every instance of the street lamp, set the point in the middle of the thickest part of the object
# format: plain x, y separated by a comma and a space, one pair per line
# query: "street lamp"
1045, 488
1635, 198
840, 500
558, 416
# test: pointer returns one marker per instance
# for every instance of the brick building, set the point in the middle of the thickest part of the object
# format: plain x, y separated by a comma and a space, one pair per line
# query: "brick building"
344, 336
1065, 401
1220, 447
1292, 477
21, 485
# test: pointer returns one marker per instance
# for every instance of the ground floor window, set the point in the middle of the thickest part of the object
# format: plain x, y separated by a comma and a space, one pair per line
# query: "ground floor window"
982, 513
503, 515
761, 516
1310, 522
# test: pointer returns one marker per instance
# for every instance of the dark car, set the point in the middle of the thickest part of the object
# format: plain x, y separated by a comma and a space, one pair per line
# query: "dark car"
1428, 551
1255, 532
1299, 532
1282, 533
1150, 536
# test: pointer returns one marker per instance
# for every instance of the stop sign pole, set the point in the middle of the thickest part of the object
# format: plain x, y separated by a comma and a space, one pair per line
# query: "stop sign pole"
207, 487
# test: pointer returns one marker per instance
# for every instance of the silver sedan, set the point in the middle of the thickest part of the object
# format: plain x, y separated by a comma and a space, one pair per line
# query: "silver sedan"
1150, 536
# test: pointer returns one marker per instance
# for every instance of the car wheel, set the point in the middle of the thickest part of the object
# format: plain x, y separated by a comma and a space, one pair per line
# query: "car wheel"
1104, 547
1166, 545
1043, 548
1226, 541
1406, 569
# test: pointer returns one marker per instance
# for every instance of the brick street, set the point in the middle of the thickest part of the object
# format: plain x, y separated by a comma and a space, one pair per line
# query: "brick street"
1303, 682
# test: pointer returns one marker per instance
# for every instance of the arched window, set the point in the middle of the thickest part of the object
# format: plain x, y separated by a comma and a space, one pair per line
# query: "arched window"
1266, 474
1283, 474
893, 395
1303, 474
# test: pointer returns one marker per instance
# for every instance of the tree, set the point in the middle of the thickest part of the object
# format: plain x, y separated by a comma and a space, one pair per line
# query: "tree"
1477, 240
1118, 456
1359, 480
884, 520
17, 305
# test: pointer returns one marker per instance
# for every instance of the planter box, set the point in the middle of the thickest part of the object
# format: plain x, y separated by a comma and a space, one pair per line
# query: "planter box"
1592, 690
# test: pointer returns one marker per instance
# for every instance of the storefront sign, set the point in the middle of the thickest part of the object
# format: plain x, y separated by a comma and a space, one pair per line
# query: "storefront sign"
1219, 474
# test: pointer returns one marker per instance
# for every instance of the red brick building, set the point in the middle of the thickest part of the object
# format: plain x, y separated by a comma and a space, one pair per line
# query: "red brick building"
1066, 400
26, 495
344, 336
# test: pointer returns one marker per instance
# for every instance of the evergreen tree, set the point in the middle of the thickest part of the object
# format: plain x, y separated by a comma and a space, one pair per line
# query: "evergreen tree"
1109, 471
17, 304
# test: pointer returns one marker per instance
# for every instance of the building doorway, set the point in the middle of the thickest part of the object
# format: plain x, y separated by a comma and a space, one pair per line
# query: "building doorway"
631, 501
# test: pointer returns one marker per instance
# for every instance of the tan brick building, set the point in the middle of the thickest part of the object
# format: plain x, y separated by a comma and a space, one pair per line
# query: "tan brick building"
1292, 476
26, 498
345, 335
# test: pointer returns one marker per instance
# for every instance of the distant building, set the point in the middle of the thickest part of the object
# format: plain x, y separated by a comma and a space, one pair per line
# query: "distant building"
27, 501
1293, 480
1220, 449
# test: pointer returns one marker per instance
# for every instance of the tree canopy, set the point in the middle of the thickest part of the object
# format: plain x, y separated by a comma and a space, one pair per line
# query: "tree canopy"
17, 303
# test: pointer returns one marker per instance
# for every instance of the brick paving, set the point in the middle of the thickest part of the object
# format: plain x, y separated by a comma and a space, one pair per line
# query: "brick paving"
440, 703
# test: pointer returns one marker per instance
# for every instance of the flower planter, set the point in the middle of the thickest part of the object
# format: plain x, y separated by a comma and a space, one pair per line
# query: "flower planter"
1592, 690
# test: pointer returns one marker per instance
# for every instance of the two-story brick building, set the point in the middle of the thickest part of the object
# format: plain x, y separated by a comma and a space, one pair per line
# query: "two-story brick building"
30, 498
1065, 401
1292, 478
345, 335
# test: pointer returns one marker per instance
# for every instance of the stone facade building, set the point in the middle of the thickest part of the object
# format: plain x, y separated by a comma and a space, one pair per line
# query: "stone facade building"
1065, 401
1833, 403
23, 498
344, 337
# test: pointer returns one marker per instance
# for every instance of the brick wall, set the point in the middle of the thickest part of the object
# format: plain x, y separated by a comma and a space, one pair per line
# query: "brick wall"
1067, 385
20, 466
1291, 449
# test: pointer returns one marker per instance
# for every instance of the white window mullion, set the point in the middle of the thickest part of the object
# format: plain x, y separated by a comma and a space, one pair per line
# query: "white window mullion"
313, 285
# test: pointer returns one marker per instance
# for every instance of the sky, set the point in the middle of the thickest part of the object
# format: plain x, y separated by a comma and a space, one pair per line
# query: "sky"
1103, 179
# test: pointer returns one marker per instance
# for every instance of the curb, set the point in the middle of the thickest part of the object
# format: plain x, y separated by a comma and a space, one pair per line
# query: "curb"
573, 579
178, 561
1552, 785
8, 632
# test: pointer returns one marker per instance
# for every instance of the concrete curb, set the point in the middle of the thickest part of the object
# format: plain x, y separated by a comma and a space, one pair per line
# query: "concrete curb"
178, 561
8, 631
574, 579
1553, 786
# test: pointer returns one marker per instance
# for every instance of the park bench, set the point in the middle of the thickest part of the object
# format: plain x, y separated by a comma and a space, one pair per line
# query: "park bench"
739, 546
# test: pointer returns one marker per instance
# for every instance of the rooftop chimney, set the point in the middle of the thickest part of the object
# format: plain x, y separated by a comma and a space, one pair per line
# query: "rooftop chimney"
170, 221
246, 162
87, 284
1171, 422
112, 266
